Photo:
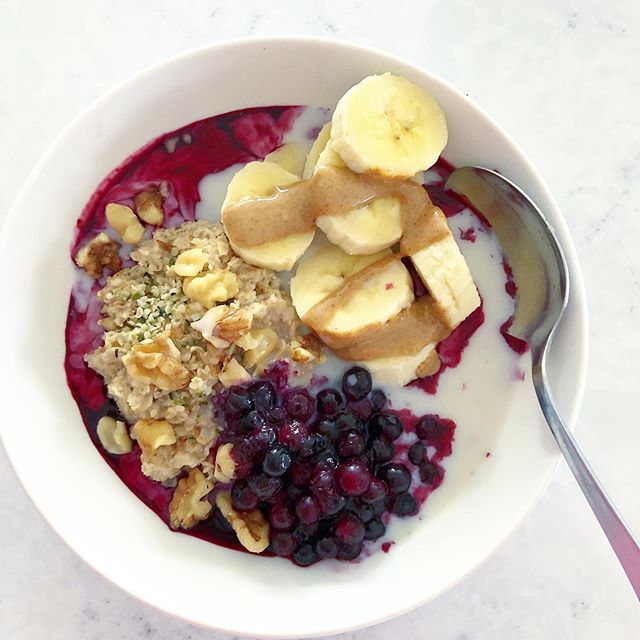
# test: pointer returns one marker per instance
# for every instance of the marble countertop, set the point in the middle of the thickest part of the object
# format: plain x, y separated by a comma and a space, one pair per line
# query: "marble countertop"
562, 77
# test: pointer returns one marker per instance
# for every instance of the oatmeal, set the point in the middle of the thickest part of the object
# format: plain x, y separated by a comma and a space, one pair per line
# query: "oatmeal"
168, 347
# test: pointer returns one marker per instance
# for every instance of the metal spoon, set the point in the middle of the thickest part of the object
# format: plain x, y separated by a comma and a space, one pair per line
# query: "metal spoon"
541, 275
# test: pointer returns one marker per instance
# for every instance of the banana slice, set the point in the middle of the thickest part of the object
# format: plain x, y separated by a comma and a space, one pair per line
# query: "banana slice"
323, 272
367, 229
290, 156
388, 125
258, 179
399, 369
385, 293
316, 149
446, 275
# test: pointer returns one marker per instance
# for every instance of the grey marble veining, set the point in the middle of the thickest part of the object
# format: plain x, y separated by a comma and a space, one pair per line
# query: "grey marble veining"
563, 78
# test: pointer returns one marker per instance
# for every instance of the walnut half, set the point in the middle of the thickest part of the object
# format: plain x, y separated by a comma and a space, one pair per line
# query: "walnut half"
98, 253
157, 362
250, 526
149, 206
223, 325
113, 435
189, 504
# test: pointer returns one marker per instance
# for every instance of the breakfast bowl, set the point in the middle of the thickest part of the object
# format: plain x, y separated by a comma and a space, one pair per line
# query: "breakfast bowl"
503, 456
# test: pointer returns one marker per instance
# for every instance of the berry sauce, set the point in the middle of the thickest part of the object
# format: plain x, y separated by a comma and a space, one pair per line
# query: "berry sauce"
356, 454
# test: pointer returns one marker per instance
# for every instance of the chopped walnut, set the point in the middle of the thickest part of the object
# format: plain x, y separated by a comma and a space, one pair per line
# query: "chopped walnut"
149, 206
308, 348
98, 253
250, 526
157, 362
429, 366
266, 342
125, 222
189, 504
225, 468
152, 434
233, 373
113, 435
223, 325
190, 262
210, 288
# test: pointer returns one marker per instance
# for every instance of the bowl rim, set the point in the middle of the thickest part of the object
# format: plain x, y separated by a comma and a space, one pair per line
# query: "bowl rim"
577, 290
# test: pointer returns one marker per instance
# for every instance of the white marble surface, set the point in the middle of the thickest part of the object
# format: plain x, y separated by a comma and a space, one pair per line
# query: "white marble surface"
563, 77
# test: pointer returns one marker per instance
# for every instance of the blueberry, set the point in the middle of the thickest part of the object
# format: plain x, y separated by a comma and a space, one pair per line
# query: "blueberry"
299, 404
349, 528
386, 426
416, 453
276, 461
263, 394
281, 517
305, 532
353, 477
242, 498
308, 510
429, 427
307, 447
404, 504
331, 502
327, 428
300, 473
349, 422
238, 402
350, 443
322, 477
374, 529
361, 408
378, 400
396, 476
292, 434
262, 439
276, 415
330, 402
382, 451
349, 551
430, 474
377, 490
378, 507
305, 555
251, 421
356, 383
326, 548
282, 543
363, 511
264, 486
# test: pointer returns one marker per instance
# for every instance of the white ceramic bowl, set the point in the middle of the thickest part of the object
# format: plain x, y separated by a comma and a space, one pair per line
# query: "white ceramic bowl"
81, 497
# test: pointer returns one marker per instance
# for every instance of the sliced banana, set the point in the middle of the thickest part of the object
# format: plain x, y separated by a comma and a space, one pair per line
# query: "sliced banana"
385, 292
259, 179
316, 149
290, 156
323, 272
446, 275
367, 229
399, 369
388, 125
384, 295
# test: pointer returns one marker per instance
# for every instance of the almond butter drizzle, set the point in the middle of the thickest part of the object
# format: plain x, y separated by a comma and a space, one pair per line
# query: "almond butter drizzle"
336, 191
332, 191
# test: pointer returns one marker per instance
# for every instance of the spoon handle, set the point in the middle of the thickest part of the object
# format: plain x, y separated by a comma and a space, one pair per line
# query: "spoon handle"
620, 537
